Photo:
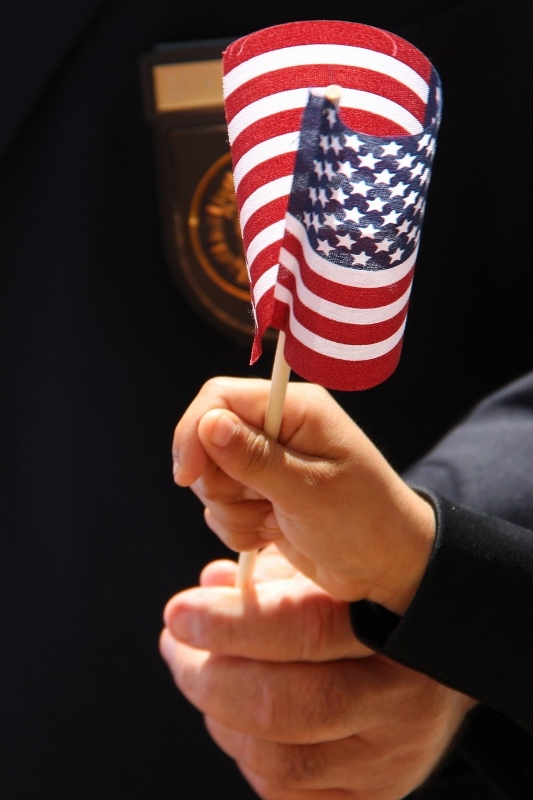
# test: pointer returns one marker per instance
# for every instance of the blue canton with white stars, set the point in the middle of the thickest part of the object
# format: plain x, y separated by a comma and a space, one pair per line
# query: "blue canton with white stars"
364, 196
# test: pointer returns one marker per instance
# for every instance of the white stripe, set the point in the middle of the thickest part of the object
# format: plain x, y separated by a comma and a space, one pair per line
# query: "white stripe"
281, 187
344, 352
267, 280
347, 276
336, 54
335, 311
269, 235
278, 145
287, 100
297, 99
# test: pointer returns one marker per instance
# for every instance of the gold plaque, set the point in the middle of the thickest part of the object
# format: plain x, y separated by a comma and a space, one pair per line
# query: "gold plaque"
182, 86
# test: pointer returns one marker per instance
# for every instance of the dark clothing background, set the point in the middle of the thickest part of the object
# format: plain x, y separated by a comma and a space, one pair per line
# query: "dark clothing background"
100, 355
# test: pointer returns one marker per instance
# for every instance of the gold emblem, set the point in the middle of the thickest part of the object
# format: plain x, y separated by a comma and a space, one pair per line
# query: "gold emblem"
215, 231
182, 90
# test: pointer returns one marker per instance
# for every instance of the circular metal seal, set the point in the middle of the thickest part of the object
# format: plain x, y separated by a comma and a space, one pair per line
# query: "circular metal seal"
215, 231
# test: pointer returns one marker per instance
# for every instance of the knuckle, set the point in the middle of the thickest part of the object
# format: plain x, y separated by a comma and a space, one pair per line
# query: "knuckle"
318, 624
259, 453
285, 766
296, 708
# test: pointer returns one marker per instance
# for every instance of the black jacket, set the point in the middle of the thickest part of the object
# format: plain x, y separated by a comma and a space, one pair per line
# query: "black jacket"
471, 621
100, 354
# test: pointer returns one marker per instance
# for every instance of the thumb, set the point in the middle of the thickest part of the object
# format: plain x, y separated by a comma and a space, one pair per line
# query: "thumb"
247, 454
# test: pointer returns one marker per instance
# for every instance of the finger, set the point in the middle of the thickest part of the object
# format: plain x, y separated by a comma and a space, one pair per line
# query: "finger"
245, 396
215, 485
270, 565
248, 456
219, 573
324, 765
291, 703
281, 620
240, 526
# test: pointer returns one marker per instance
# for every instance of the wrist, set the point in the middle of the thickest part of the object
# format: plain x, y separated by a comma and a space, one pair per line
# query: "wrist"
412, 529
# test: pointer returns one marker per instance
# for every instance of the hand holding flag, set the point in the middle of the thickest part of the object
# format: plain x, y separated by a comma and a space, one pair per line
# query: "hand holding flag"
331, 202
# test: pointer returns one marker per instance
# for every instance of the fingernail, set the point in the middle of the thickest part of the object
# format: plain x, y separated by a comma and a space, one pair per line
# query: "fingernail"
175, 464
166, 646
187, 627
271, 529
222, 431
270, 521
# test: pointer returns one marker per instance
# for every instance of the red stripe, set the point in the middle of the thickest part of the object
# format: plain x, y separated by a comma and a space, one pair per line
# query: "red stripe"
336, 374
311, 76
266, 215
372, 124
264, 313
325, 32
349, 296
344, 332
266, 128
263, 173
264, 260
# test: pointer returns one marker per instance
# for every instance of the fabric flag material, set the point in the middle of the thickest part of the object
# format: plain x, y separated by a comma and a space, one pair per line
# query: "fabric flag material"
331, 201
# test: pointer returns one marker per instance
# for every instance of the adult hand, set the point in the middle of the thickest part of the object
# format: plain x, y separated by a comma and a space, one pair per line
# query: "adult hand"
288, 692
335, 507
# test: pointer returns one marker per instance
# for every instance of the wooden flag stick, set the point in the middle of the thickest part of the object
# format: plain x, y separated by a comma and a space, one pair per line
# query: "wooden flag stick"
274, 414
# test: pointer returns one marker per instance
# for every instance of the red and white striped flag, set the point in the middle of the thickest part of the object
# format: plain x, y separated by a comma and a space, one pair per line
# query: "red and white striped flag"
331, 203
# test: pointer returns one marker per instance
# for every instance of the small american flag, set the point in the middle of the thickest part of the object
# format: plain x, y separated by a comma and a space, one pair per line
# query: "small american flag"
331, 218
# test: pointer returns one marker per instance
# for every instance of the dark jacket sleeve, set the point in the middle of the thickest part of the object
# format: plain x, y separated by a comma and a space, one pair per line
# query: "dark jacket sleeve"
470, 625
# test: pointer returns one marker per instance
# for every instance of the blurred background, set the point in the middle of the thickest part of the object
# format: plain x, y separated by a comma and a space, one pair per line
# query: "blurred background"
100, 353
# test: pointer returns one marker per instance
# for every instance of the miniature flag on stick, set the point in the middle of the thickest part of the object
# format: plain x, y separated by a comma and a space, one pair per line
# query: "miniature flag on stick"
359, 179
331, 200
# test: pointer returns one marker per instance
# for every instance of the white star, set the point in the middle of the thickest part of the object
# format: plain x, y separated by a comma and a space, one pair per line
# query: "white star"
331, 220
360, 258
424, 141
397, 256
332, 116
417, 170
391, 149
345, 168
307, 219
323, 246
383, 245
318, 168
368, 161
411, 198
328, 170
353, 142
399, 189
361, 188
336, 145
315, 223
376, 205
324, 142
322, 196
384, 177
370, 231
339, 194
404, 227
313, 194
345, 241
391, 218
412, 233
405, 161
353, 214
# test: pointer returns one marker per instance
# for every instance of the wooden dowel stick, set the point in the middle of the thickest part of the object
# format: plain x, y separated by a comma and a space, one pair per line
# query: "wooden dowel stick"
273, 416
